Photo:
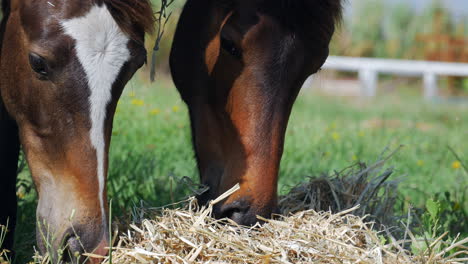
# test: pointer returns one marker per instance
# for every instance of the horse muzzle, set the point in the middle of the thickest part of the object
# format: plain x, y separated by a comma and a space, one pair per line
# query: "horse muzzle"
71, 246
74, 251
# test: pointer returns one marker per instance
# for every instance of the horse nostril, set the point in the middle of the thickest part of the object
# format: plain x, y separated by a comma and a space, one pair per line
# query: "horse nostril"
235, 211
73, 249
232, 213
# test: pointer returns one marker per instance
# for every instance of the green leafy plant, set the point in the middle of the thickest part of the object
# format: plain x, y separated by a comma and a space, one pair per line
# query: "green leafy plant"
445, 219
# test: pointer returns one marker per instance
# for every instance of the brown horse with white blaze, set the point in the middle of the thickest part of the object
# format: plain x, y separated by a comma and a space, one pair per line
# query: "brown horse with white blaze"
239, 65
63, 66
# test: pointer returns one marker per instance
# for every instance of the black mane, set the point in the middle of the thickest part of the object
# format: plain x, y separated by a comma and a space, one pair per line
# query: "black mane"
5, 15
5, 7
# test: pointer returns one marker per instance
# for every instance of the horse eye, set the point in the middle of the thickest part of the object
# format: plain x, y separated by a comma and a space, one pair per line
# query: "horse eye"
231, 48
38, 64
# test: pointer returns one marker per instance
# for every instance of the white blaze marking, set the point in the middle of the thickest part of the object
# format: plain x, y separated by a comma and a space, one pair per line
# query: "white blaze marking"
101, 47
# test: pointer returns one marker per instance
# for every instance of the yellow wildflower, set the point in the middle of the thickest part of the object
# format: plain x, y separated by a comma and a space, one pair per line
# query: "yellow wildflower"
361, 134
456, 164
138, 102
175, 109
420, 163
355, 157
335, 136
155, 111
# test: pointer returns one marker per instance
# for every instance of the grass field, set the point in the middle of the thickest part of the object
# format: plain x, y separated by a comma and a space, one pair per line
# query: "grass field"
151, 148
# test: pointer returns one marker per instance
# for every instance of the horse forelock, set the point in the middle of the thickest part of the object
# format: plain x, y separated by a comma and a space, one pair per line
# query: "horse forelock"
290, 8
333, 8
302, 16
311, 8
131, 15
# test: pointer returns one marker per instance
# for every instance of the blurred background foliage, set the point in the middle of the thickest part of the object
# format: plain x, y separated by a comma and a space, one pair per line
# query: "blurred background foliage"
378, 29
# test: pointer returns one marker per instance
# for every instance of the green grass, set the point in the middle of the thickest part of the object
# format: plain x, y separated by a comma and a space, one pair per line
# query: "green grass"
151, 147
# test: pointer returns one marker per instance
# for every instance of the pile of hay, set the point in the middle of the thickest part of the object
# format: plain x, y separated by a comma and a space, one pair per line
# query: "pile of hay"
192, 236
326, 221
185, 236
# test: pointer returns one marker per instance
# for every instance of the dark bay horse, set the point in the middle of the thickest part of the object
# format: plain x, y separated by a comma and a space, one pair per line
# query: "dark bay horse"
239, 65
63, 66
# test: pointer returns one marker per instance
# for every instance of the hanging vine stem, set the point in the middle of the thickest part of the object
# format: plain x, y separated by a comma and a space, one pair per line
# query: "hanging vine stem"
162, 17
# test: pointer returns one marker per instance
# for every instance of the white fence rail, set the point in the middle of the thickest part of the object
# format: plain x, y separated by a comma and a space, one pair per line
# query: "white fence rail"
369, 70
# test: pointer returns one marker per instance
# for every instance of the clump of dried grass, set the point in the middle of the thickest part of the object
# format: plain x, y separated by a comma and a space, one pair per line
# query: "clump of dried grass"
325, 221
359, 185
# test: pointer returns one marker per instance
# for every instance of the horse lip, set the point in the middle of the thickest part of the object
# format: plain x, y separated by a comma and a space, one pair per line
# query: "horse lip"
100, 250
